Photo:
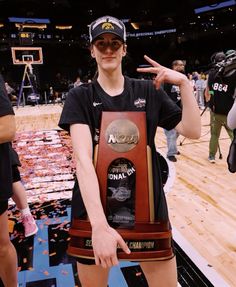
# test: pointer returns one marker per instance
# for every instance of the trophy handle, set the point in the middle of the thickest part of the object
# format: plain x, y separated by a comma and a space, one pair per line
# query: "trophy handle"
150, 185
95, 155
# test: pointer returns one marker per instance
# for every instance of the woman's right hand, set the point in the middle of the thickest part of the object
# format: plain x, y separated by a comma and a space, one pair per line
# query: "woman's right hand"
105, 241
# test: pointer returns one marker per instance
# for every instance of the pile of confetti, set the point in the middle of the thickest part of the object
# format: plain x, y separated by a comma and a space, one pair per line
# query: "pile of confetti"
47, 169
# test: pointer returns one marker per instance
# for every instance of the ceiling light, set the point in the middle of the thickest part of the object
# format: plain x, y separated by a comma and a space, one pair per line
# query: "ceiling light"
135, 25
63, 27
138, 25
31, 26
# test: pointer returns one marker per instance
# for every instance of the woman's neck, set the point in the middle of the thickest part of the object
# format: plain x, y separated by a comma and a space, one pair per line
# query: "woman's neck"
112, 84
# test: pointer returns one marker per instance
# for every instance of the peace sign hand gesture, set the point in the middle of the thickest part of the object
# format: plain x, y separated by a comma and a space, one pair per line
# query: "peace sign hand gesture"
163, 74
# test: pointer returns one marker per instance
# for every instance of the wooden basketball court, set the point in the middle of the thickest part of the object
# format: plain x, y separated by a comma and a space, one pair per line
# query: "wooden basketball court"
202, 201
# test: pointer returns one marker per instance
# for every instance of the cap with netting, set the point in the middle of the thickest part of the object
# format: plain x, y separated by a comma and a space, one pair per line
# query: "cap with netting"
230, 52
107, 24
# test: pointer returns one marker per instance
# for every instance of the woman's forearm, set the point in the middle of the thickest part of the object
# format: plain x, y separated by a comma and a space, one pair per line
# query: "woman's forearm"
89, 188
86, 174
190, 125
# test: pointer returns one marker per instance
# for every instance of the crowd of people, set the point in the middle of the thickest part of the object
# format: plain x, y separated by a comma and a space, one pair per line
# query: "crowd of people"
171, 101
57, 90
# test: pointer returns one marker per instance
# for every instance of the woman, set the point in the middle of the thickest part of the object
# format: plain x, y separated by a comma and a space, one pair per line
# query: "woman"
231, 122
8, 257
231, 117
81, 116
20, 198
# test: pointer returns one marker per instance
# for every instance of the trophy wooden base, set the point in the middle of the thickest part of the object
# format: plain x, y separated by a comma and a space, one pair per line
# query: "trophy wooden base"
147, 242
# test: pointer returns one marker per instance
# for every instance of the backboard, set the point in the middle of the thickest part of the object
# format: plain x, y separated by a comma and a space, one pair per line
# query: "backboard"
27, 55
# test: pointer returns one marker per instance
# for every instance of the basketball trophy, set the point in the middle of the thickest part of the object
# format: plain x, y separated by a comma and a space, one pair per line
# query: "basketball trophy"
124, 169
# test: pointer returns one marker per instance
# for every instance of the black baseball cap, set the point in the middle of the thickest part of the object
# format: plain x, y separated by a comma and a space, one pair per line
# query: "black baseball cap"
107, 24
218, 57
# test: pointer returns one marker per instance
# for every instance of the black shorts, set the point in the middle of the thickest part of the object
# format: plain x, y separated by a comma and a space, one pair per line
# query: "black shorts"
3, 206
15, 174
92, 262
86, 261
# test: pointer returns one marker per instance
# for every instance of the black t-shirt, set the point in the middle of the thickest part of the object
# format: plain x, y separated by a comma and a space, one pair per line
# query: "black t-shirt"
221, 91
85, 104
5, 162
173, 92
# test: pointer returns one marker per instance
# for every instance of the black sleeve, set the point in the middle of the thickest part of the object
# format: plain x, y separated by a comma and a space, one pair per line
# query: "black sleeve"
167, 88
212, 78
5, 172
14, 157
170, 113
76, 108
5, 104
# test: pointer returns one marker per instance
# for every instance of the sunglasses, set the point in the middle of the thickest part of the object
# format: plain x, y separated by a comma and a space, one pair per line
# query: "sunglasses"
102, 45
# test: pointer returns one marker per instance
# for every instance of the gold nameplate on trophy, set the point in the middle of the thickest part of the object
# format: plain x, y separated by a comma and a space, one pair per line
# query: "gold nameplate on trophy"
123, 165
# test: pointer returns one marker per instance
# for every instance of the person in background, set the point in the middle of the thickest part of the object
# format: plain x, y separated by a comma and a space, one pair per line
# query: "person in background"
8, 256
231, 117
19, 197
78, 82
60, 86
219, 93
231, 121
173, 91
10, 92
81, 115
192, 79
200, 85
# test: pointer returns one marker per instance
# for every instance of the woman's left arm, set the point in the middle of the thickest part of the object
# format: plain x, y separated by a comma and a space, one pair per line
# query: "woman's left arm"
190, 124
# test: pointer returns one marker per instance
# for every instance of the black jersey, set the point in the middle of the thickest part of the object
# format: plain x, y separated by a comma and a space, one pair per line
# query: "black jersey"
85, 104
221, 91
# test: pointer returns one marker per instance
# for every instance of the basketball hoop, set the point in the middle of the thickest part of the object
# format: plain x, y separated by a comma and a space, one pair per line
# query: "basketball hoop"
27, 56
